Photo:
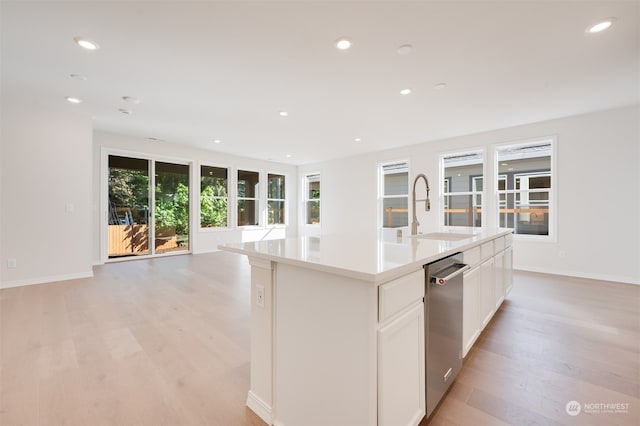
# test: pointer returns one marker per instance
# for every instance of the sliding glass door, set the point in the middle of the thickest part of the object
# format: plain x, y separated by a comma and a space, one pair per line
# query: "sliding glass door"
137, 215
171, 207
128, 227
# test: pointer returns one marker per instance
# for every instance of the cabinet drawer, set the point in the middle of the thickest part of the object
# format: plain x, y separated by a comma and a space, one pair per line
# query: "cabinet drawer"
398, 294
498, 244
508, 240
486, 250
472, 257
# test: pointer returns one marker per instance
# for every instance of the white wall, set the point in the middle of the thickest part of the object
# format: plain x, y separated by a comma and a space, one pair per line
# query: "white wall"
202, 240
45, 194
598, 190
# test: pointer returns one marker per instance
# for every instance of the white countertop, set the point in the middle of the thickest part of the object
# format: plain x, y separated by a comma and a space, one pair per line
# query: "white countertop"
369, 257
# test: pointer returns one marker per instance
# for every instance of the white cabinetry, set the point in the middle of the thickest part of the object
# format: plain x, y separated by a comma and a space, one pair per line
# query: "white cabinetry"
487, 304
471, 325
485, 286
401, 363
401, 386
499, 273
401, 351
508, 270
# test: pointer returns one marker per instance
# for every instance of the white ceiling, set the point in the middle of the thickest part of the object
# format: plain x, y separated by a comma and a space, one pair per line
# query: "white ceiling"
223, 70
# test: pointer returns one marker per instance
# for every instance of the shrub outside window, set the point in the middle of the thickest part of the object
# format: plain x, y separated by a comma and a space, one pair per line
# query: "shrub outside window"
276, 199
214, 197
312, 199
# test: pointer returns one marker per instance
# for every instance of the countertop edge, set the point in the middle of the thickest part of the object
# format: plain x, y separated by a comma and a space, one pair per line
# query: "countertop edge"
375, 278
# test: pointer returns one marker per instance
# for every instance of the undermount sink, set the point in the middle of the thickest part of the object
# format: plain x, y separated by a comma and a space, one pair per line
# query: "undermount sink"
451, 236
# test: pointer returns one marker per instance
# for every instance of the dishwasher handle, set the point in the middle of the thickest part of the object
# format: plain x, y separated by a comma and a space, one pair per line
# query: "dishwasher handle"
461, 267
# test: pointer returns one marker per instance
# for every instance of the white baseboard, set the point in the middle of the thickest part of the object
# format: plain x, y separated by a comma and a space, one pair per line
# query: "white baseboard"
261, 408
212, 250
43, 280
600, 277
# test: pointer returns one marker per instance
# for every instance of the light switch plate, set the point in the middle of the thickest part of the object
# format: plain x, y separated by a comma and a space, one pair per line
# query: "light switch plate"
260, 295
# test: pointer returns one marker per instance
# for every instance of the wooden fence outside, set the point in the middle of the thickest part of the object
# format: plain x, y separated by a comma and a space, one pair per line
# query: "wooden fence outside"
128, 240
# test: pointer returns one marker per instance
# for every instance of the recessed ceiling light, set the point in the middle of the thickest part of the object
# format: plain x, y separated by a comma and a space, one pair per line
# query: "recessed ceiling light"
440, 86
504, 164
125, 111
283, 113
343, 43
78, 77
405, 49
73, 100
405, 91
217, 141
86, 43
600, 26
510, 169
357, 139
131, 100
288, 155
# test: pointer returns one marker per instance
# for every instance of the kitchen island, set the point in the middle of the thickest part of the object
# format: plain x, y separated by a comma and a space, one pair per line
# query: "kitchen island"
337, 321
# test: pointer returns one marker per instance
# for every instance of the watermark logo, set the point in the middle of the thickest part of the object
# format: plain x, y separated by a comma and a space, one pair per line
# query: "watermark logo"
573, 408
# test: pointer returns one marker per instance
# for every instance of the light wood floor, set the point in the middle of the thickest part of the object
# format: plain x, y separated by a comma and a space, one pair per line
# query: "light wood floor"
166, 342
554, 340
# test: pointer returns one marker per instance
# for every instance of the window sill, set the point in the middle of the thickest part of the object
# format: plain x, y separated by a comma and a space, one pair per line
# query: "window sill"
215, 229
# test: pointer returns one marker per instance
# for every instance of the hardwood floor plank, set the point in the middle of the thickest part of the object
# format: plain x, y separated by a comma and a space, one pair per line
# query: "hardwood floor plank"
166, 341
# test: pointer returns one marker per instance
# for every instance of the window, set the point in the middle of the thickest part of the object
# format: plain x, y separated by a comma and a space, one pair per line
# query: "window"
248, 198
394, 192
275, 199
213, 197
462, 188
129, 195
525, 187
312, 199
149, 207
171, 207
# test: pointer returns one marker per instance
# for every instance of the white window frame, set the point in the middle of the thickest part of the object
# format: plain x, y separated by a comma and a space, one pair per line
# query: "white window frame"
230, 214
238, 198
284, 200
501, 204
553, 191
382, 196
194, 212
443, 201
306, 199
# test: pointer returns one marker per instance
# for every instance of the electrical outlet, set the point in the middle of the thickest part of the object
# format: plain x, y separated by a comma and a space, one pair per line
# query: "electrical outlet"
260, 295
12, 263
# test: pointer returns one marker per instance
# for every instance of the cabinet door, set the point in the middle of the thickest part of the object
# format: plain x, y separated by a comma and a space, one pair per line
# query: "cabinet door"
401, 377
471, 321
499, 278
487, 291
508, 270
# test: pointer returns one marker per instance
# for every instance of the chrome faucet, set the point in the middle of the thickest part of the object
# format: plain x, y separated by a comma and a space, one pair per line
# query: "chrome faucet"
427, 203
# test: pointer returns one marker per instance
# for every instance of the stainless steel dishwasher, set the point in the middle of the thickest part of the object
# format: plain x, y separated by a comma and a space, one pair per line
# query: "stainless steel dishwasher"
443, 316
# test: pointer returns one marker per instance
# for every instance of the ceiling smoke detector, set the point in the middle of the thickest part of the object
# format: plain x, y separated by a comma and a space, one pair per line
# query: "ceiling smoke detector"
131, 100
405, 49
